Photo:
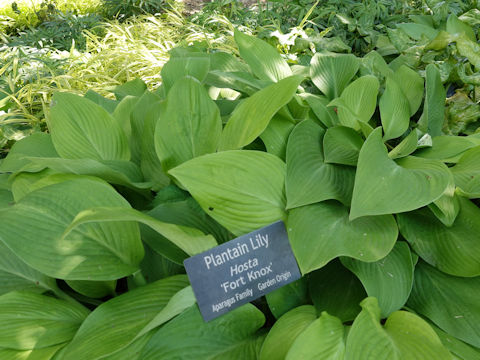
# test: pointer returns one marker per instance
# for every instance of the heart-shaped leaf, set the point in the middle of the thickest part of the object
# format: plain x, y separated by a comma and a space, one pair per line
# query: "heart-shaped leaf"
195, 65
251, 117
451, 302
320, 232
82, 129
394, 110
190, 125
231, 336
411, 84
404, 336
130, 313
34, 321
454, 250
390, 279
284, 332
309, 178
91, 252
357, 102
241, 189
342, 145
321, 340
332, 72
264, 60
383, 186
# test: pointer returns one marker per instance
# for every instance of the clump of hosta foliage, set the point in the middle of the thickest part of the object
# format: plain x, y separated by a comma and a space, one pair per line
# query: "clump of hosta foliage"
379, 201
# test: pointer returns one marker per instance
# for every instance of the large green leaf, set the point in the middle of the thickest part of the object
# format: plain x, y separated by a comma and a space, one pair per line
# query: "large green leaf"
434, 106
264, 60
35, 145
129, 313
322, 340
231, 336
383, 186
132, 351
390, 279
189, 127
275, 136
241, 189
195, 65
251, 117
412, 86
469, 49
309, 179
327, 115
82, 129
404, 336
135, 87
190, 240
342, 145
326, 284
407, 146
34, 321
394, 110
90, 252
16, 275
454, 250
417, 31
285, 331
457, 347
455, 26
448, 148
467, 173
357, 102
450, 302
332, 72
321, 232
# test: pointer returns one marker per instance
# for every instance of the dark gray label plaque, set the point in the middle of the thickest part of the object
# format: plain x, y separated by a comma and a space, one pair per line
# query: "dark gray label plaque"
242, 270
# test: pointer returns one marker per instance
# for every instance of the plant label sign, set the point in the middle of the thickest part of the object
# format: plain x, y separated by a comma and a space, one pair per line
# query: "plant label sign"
242, 270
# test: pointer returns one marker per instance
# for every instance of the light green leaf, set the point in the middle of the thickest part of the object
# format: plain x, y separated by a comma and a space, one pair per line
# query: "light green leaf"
451, 302
284, 332
130, 313
455, 26
357, 102
318, 104
320, 232
195, 65
122, 114
264, 60
275, 136
394, 110
309, 179
251, 117
342, 145
467, 173
34, 321
288, 297
407, 146
322, 340
332, 72
434, 106
374, 64
91, 252
454, 250
132, 351
404, 336
191, 241
135, 87
390, 279
108, 104
411, 84
231, 336
243, 82
16, 275
417, 31
448, 148
446, 207
81, 129
383, 186
93, 289
36, 145
326, 284
189, 127
38, 354
241, 189
226, 62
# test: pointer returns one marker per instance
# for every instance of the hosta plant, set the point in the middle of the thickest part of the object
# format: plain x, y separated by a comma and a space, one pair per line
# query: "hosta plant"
380, 205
